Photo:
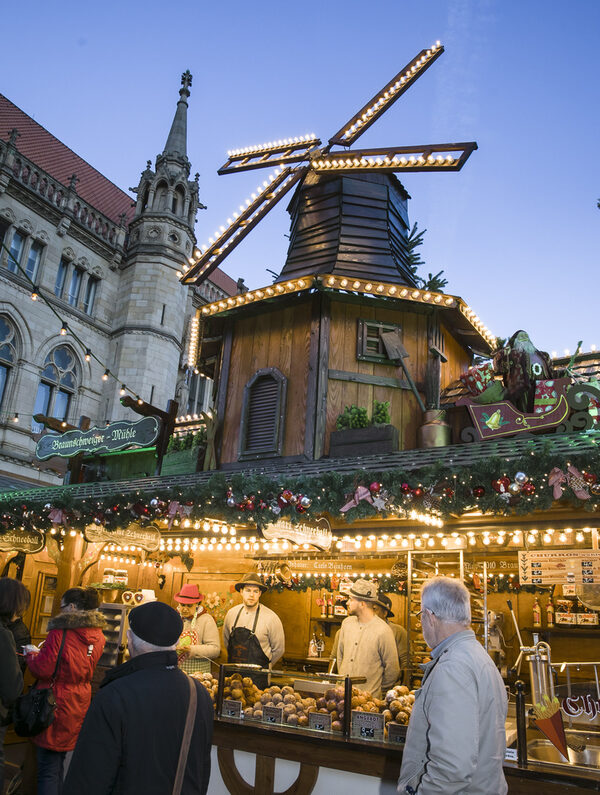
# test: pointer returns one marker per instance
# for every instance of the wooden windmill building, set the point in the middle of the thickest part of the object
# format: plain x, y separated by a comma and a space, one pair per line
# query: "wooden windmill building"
287, 358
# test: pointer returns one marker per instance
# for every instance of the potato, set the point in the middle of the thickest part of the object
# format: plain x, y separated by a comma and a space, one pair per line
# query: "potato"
258, 713
321, 703
289, 709
331, 704
265, 698
330, 694
387, 715
287, 689
277, 698
336, 726
247, 682
324, 710
237, 694
292, 720
395, 706
355, 702
402, 690
249, 712
302, 720
289, 698
335, 715
402, 717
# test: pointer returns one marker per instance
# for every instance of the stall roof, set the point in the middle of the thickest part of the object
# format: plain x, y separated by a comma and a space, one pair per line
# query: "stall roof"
457, 455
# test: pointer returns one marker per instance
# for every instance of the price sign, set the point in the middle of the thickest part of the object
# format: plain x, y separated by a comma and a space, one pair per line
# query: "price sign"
511, 755
231, 708
396, 732
319, 721
565, 567
366, 725
272, 715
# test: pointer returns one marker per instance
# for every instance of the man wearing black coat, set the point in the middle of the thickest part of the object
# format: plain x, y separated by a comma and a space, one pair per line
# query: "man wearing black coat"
132, 734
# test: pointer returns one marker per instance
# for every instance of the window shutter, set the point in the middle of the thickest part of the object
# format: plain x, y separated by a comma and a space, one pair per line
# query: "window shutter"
263, 415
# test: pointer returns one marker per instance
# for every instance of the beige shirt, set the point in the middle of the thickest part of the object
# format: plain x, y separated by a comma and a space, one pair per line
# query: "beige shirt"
269, 629
401, 643
205, 628
368, 650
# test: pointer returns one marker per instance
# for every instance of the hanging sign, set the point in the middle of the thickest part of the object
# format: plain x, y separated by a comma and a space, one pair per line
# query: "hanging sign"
147, 538
116, 436
316, 534
20, 540
559, 567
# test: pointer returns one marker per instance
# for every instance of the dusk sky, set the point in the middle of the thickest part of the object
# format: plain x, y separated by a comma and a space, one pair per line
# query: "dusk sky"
516, 232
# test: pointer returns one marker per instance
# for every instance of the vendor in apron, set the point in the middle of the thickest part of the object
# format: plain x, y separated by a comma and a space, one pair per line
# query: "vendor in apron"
252, 632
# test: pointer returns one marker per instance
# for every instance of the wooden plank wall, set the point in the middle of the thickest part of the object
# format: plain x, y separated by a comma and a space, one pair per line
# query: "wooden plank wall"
279, 339
458, 359
404, 411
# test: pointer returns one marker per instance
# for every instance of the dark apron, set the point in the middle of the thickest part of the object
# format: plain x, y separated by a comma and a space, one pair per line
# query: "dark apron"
243, 647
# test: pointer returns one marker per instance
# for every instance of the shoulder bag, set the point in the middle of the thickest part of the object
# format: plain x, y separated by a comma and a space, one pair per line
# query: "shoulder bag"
187, 737
34, 711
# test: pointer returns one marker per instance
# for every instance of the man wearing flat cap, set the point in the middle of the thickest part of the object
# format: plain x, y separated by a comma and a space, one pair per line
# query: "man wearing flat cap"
383, 609
131, 737
199, 642
366, 645
252, 633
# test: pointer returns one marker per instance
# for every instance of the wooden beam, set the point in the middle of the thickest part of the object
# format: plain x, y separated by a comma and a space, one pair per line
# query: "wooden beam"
373, 380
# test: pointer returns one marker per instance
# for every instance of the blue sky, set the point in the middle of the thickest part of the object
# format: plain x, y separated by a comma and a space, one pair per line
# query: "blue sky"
516, 231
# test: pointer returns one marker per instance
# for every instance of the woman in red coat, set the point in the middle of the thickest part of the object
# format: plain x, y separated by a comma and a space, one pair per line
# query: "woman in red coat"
81, 623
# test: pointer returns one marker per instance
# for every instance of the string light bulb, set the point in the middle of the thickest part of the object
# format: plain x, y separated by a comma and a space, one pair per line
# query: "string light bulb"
88, 354
35, 293
105, 375
63, 330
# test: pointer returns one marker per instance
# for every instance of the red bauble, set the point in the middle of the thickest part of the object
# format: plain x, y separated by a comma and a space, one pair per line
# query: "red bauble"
589, 477
501, 485
527, 489
449, 493
375, 487
478, 491
300, 508
418, 492
405, 488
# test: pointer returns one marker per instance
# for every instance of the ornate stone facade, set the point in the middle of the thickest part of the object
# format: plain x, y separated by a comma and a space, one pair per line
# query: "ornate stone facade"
106, 267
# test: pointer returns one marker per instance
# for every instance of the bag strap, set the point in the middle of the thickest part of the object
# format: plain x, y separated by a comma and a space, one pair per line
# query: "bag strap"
60, 651
187, 737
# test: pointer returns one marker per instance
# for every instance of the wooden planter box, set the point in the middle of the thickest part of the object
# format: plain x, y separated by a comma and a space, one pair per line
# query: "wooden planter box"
363, 441
182, 462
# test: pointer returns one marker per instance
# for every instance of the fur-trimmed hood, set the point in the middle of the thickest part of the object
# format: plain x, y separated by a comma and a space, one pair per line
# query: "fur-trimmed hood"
76, 619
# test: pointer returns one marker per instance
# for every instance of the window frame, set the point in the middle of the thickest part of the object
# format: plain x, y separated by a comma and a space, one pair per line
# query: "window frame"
363, 353
92, 281
76, 271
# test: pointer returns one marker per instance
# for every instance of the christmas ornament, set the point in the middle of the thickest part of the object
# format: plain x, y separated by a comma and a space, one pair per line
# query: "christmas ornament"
527, 489
305, 501
589, 477
521, 478
478, 491
501, 484
405, 488
374, 487
514, 489
418, 492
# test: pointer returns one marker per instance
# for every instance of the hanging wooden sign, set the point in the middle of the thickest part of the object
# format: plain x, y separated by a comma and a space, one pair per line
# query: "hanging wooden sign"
147, 538
20, 540
315, 533
116, 436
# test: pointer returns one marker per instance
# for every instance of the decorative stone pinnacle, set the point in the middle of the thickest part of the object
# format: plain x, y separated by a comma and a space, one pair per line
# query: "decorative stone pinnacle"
186, 79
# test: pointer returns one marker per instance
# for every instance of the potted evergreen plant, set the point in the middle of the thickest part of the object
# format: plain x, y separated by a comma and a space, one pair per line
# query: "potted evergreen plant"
357, 435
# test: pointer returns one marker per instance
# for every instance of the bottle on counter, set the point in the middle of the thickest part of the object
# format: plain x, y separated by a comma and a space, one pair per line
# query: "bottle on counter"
550, 613
313, 649
330, 605
537, 613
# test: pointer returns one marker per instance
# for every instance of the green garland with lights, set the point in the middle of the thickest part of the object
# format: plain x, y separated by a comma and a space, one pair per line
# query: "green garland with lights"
439, 489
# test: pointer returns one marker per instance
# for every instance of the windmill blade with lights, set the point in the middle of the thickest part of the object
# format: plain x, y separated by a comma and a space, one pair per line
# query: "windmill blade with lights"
295, 159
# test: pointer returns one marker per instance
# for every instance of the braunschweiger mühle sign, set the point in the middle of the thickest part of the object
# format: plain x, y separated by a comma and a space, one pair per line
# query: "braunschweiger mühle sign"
116, 436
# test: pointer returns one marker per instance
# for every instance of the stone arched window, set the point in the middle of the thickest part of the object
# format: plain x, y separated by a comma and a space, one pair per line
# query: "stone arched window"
58, 384
9, 354
160, 197
178, 200
263, 415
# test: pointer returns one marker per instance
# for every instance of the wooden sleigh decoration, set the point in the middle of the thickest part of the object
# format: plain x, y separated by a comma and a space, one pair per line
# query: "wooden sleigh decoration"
496, 420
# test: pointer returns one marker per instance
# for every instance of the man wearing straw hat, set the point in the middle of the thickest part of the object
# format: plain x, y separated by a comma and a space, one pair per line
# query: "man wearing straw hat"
366, 645
252, 632
199, 641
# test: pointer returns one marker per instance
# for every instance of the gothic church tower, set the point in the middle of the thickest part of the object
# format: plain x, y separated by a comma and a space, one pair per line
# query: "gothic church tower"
152, 307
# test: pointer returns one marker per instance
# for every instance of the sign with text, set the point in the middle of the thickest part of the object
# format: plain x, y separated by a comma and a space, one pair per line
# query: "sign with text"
20, 540
366, 725
272, 715
396, 732
317, 534
116, 436
147, 538
559, 567
319, 721
231, 708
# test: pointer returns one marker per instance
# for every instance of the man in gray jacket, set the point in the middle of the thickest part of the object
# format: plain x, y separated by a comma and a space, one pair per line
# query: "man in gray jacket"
456, 738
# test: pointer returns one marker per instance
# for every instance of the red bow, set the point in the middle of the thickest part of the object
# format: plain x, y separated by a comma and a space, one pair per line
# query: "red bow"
361, 493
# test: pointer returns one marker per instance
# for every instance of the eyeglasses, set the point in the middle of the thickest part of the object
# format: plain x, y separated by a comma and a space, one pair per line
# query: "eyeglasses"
422, 610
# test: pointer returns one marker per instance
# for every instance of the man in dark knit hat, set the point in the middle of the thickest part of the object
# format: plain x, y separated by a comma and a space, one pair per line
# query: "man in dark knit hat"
132, 735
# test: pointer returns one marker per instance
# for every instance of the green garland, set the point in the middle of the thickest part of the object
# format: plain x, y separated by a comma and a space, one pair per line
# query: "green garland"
440, 488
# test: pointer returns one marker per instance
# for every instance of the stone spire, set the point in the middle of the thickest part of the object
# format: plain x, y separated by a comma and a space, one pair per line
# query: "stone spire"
176, 146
